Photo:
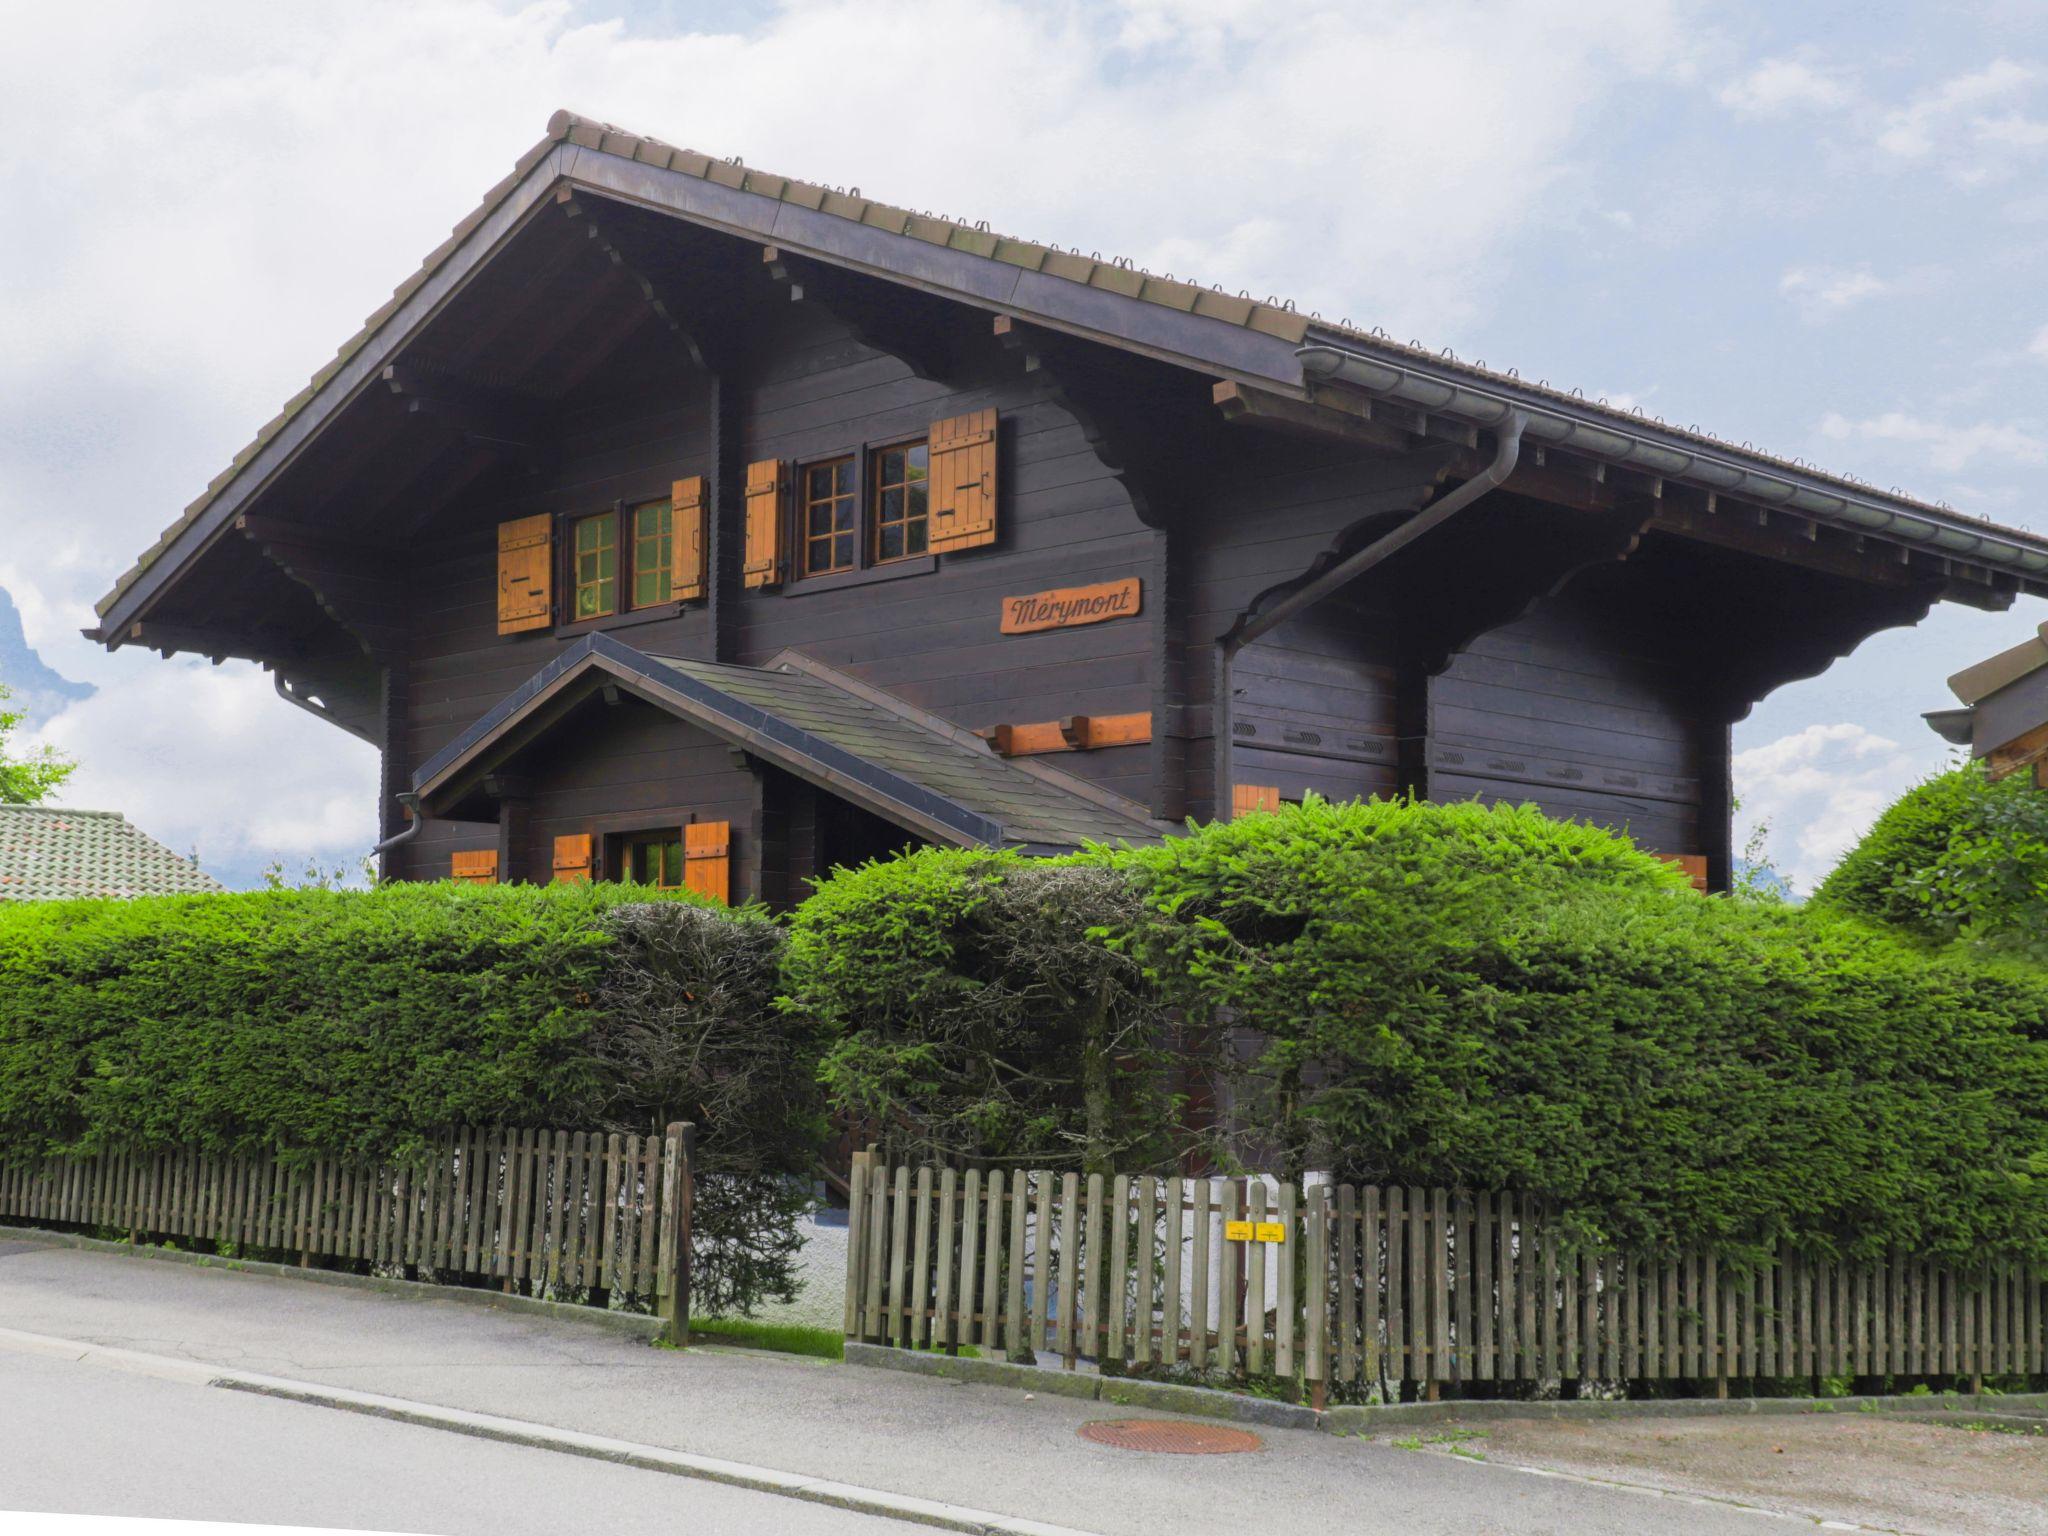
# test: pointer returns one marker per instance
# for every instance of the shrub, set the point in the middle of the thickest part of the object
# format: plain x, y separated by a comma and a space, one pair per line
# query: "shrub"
1960, 858
972, 1013
1457, 995
686, 1029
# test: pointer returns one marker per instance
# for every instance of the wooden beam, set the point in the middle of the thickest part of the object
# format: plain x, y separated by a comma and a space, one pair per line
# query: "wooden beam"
881, 315
1248, 406
1836, 557
215, 644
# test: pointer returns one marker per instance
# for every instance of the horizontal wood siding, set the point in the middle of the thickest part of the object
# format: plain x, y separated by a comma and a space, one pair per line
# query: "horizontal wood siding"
1581, 711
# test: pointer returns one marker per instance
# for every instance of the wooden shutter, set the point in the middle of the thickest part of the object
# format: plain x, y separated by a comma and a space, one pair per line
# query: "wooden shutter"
477, 867
526, 574
764, 523
573, 858
1245, 798
1694, 864
963, 493
687, 566
707, 859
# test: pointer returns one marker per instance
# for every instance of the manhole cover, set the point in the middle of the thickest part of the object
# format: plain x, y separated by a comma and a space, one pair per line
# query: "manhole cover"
1170, 1435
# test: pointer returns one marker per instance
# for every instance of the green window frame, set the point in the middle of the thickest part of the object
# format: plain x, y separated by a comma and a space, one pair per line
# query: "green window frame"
596, 566
654, 858
654, 532
901, 525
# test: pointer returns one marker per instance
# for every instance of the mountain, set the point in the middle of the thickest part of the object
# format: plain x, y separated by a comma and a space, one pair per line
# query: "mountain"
37, 691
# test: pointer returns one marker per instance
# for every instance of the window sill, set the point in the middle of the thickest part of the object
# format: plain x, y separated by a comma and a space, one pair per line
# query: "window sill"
624, 620
919, 565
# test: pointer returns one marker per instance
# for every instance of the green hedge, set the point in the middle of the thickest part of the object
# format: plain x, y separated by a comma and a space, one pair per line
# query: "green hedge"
367, 1023
972, 1012
1484, 997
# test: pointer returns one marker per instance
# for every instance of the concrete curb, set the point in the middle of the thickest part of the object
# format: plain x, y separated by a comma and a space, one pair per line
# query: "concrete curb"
1122, 1391
485, 1426
1368, 1419
636, 1324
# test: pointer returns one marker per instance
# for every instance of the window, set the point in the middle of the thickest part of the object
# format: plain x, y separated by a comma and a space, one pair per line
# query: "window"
654, 527
899, 518
596, 566
653, 858
827, 515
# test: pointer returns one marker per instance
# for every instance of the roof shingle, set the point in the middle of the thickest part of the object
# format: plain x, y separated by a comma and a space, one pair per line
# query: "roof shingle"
51, 854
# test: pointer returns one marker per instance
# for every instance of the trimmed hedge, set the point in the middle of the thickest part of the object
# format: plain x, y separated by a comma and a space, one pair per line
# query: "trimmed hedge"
973, 1013
1484, 997
364, 1024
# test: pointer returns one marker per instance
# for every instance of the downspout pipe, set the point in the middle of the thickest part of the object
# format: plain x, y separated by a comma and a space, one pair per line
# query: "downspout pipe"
1507, 451
413, 827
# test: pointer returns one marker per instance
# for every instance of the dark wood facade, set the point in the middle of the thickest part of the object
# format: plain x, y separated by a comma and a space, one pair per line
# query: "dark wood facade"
1581, 638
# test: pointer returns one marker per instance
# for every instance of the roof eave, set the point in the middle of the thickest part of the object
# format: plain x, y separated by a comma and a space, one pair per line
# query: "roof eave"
1613, 437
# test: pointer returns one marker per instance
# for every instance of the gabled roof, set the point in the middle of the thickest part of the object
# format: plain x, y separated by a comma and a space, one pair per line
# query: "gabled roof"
50, 854
1230, 335
857, 742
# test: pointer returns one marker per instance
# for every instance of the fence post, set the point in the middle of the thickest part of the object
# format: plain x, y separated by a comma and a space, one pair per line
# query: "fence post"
856, 1239
673, 1261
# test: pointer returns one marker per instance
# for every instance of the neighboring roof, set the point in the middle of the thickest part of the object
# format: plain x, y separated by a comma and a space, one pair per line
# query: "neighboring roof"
1278, 342
858, 742
2004, 715
1973, 684
49, 854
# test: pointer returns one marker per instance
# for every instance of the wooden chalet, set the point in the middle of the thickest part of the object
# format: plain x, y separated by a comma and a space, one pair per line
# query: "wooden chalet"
2002, 714
690, 522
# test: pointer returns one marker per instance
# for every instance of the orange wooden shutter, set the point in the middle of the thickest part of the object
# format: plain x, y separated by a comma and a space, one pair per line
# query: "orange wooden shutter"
477, 867
707, 859
687, 566
1253, 797
572, 858
963, 483
1694, 864
526, 574
764, 523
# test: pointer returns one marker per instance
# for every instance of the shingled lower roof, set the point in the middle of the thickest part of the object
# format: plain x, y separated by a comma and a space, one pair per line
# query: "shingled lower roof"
49, 854
1268, 338
857, 742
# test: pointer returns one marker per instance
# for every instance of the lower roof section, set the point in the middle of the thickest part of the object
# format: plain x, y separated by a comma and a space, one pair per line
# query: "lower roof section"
865, 746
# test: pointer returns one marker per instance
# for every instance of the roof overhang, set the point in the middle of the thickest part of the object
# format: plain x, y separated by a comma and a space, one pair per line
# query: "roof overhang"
1483, 401
533, 708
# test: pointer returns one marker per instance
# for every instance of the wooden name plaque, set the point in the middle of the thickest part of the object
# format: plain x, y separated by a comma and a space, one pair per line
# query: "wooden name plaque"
1064, 607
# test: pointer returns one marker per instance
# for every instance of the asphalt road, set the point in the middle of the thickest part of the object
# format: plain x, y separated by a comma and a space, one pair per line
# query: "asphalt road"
992, 1448
81, 1439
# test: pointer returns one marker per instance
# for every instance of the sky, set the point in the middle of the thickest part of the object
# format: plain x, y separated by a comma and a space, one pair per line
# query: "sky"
1817, 228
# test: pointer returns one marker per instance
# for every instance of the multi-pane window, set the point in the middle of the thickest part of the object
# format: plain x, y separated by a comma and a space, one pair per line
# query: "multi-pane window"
899, 518
597, 565
654, 859
828, 515
653, 553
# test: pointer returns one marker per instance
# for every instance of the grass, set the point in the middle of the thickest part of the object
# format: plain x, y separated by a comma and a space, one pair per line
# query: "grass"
783, 1338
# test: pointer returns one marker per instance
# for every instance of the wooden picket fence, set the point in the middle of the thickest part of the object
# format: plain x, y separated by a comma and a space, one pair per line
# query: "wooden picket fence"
550, 1212
1389, 1286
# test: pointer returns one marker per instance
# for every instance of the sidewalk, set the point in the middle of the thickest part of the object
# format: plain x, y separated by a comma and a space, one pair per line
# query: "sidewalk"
992, 1448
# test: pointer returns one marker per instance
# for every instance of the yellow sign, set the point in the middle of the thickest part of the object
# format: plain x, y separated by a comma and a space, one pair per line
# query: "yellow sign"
1255, 1232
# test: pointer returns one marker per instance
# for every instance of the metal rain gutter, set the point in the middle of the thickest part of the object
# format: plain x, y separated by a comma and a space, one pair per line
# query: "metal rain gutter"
1664, 454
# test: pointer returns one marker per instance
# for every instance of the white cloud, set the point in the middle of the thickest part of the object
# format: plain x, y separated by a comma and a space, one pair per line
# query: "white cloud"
2039, 345
1945, 445
1779, 87
1819, 789
209, 761
1946, 123
1823, 291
